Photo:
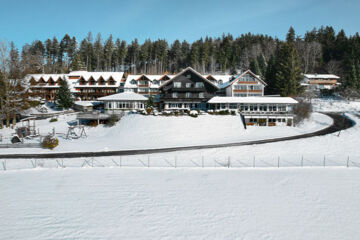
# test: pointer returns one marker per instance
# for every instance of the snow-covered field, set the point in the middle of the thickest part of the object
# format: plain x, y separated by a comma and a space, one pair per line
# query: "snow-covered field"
113, 203
214, 202
136, 131
331, 105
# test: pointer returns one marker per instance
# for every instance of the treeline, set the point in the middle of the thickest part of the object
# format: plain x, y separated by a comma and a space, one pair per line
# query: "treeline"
318, 51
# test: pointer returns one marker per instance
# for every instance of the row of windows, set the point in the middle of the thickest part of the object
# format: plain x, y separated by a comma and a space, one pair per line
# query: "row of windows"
124, 105
185, 105
247, 87
247, 78
189, 95
262, 108
255, 120
189, 85
145, 82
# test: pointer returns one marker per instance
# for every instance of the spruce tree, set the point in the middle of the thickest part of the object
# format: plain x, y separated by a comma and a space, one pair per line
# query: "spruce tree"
64, 98
288, 74
254, 67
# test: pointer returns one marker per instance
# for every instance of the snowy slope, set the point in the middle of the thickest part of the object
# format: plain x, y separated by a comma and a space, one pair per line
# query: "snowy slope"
113, 203
139, 132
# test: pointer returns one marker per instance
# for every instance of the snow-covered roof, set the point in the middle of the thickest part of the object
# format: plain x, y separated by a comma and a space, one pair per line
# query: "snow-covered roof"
286, 100
323, 76
87, 103
116, 76
45, 77
194, 71
125, 96
129, 80
225, 85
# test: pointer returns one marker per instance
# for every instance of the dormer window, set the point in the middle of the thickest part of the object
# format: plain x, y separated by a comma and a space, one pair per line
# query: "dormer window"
133, 81
220, 82
156, 82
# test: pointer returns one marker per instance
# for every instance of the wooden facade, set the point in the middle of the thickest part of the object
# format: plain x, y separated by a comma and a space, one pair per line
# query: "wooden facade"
187, 90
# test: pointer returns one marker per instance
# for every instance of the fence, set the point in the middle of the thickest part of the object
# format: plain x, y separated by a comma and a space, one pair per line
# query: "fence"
154, 161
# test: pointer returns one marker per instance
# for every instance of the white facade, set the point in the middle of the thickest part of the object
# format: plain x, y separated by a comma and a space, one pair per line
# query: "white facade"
246, 84
263, 111
123, 101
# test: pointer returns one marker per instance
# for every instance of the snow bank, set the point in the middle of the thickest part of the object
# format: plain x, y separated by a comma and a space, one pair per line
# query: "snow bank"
105, 203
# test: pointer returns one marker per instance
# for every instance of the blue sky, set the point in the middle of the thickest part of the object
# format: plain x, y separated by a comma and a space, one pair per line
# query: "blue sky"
24, 21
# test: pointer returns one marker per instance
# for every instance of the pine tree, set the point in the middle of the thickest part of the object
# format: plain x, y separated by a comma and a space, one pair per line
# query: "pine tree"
64, 98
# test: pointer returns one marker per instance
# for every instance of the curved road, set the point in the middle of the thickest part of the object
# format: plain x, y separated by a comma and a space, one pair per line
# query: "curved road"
340, 123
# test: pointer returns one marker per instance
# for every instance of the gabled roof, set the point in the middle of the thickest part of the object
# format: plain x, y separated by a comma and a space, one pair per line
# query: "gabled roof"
191, 69
225, 85
130, 77
124, 96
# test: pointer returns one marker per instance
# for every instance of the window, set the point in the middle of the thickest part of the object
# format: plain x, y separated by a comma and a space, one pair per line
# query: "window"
240, 87
220, 82
177, 84
201, 95
188, 95
156, 82
188, 85
174, 94
199, 84
233, 106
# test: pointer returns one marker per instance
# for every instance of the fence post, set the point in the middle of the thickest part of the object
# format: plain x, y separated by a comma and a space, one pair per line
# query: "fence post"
302, 161
347, 162
92, 162
254, 162
175, 165
120, 162
148, 161
4, 164
202, 161
278, 161
324, 160
229, 162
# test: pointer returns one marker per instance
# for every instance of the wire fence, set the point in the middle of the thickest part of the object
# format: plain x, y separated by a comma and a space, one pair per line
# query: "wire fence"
153, 161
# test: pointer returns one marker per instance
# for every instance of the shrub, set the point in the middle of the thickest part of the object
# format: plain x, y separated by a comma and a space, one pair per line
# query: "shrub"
302, 111
112, 120
149, 110
224, 112
53, 120
50, 142
233, 112
176, 113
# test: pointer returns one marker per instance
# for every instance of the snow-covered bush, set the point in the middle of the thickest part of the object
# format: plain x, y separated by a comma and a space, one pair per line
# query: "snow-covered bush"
50, 142
194, 113
166, 113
